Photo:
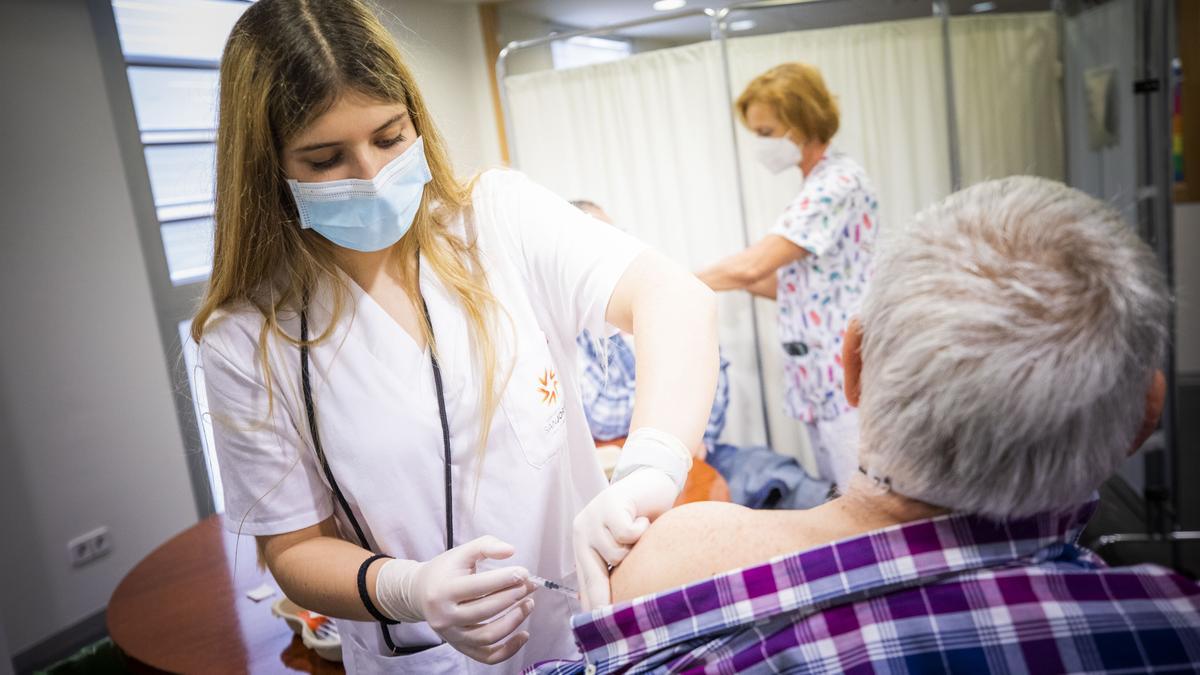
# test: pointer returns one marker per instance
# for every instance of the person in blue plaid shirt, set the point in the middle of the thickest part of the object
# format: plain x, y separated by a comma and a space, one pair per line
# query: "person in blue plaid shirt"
608, 378
757, 476
1004, 365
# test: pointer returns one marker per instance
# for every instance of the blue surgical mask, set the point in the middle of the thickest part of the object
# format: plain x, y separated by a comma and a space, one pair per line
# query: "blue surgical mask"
366, 215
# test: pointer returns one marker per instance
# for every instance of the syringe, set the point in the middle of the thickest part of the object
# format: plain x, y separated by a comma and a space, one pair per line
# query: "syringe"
553, 586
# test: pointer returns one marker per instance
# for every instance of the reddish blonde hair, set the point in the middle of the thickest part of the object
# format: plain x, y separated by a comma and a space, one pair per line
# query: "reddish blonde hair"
797, 94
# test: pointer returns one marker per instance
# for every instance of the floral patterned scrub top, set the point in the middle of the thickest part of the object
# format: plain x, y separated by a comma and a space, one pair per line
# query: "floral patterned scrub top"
835, 219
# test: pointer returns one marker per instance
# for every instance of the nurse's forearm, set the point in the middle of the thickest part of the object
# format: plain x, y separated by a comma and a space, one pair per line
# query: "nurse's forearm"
767, 287
673, 318
320, 573
746, 268
730, 274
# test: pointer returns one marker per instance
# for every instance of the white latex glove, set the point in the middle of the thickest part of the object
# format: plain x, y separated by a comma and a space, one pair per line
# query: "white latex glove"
608, 527
476, 613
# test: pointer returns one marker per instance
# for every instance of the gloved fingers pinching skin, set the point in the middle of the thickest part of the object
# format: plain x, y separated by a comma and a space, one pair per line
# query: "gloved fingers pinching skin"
628, 533
606, 545
592, 571
608, 527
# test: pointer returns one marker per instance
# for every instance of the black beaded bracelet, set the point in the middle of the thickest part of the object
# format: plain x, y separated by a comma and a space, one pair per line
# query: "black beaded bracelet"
366, 598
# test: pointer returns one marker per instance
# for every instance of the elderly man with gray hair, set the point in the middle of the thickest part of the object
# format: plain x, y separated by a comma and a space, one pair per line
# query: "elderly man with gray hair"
1004, 365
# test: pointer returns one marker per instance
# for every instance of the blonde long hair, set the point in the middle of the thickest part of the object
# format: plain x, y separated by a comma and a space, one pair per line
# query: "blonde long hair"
286, 62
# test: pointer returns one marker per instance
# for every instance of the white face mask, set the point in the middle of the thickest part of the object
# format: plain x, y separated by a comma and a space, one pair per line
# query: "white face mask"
776, 153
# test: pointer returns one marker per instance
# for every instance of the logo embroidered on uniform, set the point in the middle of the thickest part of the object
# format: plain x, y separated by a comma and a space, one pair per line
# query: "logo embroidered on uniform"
548, 387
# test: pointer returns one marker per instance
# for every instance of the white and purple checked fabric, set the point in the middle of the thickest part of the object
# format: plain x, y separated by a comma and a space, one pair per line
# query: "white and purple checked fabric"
608, 377
951, 594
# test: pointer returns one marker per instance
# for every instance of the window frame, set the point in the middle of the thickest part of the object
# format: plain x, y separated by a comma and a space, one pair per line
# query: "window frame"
173, 304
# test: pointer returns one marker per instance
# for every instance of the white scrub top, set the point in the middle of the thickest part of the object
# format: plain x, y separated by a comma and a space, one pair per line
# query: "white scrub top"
553, 269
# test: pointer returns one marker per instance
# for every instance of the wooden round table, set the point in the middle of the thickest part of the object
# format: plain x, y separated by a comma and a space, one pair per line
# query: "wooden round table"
184, 609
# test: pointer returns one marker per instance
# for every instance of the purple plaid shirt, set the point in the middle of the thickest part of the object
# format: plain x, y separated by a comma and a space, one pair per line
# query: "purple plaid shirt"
954, 593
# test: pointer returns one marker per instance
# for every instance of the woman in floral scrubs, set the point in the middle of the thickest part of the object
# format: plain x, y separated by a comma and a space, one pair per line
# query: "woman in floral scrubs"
815, 262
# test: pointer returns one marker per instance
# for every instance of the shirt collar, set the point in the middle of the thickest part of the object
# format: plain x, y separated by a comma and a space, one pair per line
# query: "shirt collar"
810, 581
829, 157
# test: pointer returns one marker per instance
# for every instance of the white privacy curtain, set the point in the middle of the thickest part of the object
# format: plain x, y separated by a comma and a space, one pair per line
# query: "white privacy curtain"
1008, 89
648, 138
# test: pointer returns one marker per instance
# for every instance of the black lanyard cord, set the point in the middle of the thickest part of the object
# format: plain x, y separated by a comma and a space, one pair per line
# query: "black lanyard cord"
437, 383
311, 414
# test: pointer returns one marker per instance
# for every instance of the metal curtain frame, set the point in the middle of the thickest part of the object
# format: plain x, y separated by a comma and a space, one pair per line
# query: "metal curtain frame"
718, 25
1156, 217
1154, 165
939, 8
518, 45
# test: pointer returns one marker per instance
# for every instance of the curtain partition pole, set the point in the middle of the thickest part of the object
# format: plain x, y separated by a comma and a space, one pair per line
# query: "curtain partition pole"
718, 34
941, 8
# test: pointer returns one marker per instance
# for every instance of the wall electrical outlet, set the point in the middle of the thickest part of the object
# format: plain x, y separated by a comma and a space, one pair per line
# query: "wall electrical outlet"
89, 546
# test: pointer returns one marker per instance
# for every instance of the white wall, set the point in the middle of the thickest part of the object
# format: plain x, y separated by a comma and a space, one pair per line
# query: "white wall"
444, 45
87, 427
1187, 288
514, 26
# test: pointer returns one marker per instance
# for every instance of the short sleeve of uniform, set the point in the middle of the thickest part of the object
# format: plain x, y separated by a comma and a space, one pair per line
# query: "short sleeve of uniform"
815, 218
271, 482
571, 260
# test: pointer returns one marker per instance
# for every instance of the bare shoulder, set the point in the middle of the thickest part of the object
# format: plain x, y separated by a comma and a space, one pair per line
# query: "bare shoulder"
696, 541
677, 548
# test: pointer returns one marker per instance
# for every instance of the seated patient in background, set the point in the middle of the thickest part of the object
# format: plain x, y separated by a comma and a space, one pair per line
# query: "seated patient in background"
757, 476
1004, 365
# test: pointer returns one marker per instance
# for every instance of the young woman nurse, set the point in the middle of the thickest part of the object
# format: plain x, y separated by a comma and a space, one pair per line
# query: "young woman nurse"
388, 357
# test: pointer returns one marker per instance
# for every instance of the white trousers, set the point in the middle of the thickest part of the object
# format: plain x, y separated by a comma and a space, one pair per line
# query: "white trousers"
835, 447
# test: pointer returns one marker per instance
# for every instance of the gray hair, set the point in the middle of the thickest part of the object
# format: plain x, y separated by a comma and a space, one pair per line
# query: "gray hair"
1010, 336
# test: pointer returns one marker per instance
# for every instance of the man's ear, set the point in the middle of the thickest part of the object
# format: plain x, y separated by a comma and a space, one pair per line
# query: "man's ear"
852, 361
1156, 397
